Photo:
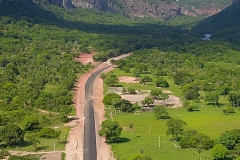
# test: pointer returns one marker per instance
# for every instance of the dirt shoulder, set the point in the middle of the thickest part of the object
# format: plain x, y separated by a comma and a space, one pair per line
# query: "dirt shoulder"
104, 151
74, 146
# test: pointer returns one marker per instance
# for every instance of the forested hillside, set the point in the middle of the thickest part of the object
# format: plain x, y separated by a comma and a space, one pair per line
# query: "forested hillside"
223, 26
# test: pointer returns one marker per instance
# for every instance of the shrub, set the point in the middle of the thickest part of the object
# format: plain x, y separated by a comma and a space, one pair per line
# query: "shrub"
228, 110
49, 133
107, 100
131, 90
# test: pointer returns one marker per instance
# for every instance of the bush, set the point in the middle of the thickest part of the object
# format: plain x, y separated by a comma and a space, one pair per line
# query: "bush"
228, 110
49, 133
219, 151
131, 90
161, 83
192, 108
124, 90
107, 100
31, 123
126, 70
17, 158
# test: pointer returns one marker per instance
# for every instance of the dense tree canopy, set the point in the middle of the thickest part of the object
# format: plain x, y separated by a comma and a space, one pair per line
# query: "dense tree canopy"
12, 135
229, 139
192, 138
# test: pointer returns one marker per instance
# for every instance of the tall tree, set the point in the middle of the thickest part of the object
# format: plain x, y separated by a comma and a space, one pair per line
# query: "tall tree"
110, 130
12, 134
191, 91
212, 97
160, 112
175, 128
234, 98
148, 100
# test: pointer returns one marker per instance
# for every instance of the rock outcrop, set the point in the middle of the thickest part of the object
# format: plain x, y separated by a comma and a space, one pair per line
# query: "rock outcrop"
143, 8
207, 9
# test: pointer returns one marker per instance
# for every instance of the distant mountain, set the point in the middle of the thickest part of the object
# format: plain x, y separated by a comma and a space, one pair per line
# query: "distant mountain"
163, 9
224, 25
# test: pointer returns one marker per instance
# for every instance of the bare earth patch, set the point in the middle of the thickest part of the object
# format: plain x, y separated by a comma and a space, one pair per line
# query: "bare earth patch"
172, 101
86, 58
128, 79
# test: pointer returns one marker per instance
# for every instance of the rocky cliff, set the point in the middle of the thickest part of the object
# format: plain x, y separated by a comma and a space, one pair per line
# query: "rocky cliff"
143, 8
207, 9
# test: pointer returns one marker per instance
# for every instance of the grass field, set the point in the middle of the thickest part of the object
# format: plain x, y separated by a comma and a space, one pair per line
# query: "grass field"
146, 131
149, 134
47, 144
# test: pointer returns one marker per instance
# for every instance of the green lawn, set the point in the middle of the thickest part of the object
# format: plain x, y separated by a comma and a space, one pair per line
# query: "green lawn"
146, 131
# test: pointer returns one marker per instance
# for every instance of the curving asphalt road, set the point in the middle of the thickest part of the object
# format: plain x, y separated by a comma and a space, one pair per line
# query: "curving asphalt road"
89, 149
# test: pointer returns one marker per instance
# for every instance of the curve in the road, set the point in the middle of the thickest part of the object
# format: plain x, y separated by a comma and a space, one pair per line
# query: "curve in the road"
89, 149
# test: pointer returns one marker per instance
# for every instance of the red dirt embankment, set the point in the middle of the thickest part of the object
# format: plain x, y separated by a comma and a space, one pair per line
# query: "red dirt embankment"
74, 147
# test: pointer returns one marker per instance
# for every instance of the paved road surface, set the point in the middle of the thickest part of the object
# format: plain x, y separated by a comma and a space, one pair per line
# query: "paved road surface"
89, 149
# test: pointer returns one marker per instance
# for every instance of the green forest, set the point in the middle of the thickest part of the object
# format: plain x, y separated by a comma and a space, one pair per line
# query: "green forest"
38, 44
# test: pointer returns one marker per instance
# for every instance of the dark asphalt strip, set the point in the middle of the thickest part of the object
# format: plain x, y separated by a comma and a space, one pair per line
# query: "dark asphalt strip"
89, 149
